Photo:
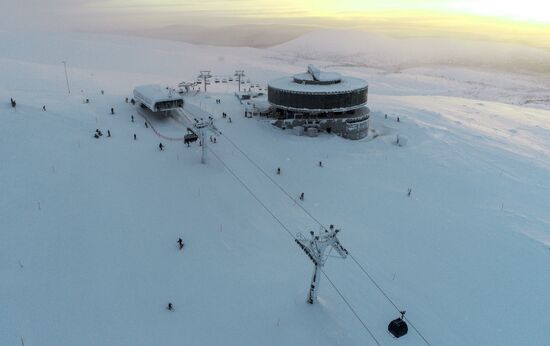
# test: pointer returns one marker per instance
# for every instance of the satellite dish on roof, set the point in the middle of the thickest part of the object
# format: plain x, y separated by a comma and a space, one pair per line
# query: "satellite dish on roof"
314, 71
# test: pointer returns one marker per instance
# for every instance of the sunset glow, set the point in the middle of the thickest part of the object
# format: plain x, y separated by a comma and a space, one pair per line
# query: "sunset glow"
527, 10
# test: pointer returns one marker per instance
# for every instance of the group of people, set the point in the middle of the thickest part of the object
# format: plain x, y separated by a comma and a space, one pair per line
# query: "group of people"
98, 133
218, 101
224, 116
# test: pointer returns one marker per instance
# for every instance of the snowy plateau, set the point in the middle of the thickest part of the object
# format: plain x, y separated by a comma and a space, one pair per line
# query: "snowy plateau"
88, 227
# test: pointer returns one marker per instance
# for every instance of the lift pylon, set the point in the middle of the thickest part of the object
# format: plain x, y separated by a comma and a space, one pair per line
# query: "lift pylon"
315, 248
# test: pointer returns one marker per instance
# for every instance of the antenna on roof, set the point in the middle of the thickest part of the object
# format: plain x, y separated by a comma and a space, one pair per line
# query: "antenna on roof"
315, 249
314, 71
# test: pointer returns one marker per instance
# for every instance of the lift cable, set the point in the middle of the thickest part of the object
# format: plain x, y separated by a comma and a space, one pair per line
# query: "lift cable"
320, 224
294, 238
349, 306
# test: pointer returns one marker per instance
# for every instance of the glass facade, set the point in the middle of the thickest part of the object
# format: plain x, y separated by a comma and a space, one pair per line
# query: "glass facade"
326, 101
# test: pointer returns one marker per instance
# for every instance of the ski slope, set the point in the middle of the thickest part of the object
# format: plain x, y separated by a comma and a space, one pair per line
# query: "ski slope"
88, 252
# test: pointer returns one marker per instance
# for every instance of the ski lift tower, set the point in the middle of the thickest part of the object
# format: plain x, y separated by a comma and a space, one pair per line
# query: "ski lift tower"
202, 128
239, 74
315, 248
205, 75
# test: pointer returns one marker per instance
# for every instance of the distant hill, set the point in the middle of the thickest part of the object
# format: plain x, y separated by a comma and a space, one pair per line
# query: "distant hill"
352, 47
251, 35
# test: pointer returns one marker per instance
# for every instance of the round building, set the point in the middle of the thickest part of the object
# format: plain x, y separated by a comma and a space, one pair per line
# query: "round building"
321, 101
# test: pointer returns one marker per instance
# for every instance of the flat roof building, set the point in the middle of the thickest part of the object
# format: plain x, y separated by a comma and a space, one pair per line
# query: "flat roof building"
156, 98
326, 101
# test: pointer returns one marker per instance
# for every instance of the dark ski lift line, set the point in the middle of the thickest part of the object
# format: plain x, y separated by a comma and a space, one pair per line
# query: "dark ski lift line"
320, 224
294, 238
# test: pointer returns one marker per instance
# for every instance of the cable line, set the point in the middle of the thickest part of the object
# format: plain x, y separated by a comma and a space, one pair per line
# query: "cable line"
350, 307
320, 224
290, 233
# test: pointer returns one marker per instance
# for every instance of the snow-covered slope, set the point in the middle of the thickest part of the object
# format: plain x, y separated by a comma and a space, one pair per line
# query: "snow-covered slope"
88, 252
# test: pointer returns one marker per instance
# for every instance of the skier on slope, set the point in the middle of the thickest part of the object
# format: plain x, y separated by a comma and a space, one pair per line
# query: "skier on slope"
170, 307
161, 147
180, 243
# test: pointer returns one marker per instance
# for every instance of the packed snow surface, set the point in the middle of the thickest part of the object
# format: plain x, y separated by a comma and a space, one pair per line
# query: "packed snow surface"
88, 252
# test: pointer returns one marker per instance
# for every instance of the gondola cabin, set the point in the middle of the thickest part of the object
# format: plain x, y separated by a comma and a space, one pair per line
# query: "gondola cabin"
157, 98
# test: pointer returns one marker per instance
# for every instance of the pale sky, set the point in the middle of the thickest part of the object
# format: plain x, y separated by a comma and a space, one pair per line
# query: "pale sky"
527, 20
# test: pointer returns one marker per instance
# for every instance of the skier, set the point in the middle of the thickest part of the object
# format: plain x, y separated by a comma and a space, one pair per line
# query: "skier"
112, 110
132, 118
302, 196
229, 119
397, 119
135, 137
44, 108
133, 102
320, 163
409, 192
385, 116
180, 243
170, 307
126, 99
161, 147
96, 135
108, 133
87, 100
214, 139
279, 171
99, 133
102, 92
146, 126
